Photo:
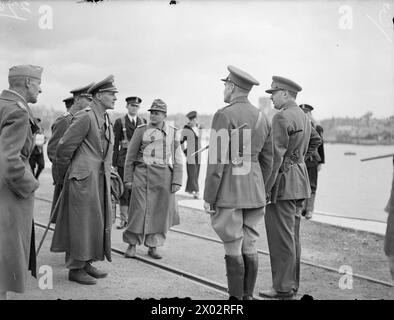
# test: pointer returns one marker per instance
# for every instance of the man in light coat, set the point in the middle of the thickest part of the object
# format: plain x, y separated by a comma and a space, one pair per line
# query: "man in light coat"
237, 170
83, 160
153, 172
287, 187
17, 182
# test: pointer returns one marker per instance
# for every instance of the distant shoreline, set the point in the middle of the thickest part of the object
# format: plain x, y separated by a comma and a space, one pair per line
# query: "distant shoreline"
361, 142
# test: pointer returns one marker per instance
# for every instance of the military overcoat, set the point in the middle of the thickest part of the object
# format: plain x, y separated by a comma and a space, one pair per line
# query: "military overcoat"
17, 186
153, 164
83, 158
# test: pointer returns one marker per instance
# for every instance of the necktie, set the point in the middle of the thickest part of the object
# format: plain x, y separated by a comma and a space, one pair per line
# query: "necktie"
133, 122
106, 125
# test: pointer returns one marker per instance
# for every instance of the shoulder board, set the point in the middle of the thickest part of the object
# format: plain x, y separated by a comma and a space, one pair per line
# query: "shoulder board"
87, 109
142, 125
21, 105
173, 127
65, 114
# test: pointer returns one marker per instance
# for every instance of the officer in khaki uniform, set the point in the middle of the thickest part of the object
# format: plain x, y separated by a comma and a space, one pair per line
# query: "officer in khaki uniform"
80, 100
124, 128
293, 139
237, 170
153, 172
17, 182
83, 161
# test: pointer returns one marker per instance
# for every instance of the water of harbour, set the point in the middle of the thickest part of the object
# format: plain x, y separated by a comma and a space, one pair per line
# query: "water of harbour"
347, 187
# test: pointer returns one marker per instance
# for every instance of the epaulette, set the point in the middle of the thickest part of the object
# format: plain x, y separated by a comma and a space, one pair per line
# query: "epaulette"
87, 108
65, 114
21, 105
173, 127
141, 125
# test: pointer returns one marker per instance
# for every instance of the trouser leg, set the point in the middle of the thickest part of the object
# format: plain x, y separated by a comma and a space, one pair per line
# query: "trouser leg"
280, 228
154, 240
73, 264
391, 264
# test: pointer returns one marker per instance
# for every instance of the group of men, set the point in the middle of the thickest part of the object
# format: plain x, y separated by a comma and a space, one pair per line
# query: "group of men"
259, 169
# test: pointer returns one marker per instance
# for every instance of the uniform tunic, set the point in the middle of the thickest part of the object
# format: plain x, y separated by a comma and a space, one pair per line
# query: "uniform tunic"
17, 186
83, 158
153, 164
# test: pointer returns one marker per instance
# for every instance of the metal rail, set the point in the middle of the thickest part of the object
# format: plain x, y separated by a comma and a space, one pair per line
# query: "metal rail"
212, 285
308, 263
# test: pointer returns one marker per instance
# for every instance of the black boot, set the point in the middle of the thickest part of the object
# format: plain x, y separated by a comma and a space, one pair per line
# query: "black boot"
235, 276
251, 262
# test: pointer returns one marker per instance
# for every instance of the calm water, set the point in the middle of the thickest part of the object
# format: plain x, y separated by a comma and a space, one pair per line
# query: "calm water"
348, 187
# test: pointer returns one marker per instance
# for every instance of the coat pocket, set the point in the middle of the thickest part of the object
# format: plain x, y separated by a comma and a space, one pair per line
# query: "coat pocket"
79, 175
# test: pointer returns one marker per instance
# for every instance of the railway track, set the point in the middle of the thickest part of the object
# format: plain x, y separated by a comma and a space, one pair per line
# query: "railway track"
218, 286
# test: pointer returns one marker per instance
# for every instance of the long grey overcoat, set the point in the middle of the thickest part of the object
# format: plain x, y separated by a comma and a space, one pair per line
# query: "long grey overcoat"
83, 157
17, 186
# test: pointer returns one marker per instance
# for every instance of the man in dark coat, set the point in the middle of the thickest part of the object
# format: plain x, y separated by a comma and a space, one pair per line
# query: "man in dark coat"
124, 128
153, 172
294, 139
80, 100
313, 164
237, 171
83, 160
191, 134
17, 182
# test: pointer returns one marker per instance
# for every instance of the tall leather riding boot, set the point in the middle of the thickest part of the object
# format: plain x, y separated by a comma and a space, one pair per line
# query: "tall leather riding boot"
235, 276
251, 262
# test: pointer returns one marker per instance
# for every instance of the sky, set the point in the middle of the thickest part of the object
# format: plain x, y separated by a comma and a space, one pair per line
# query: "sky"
340, 52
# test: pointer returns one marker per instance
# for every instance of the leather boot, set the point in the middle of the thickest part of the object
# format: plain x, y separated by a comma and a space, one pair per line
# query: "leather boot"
251, 262
235, 276
123, 217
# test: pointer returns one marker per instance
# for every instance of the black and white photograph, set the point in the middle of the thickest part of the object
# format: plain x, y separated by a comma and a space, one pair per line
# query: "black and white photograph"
197, 150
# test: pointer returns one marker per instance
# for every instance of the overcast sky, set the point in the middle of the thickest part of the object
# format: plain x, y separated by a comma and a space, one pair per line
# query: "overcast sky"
179, 53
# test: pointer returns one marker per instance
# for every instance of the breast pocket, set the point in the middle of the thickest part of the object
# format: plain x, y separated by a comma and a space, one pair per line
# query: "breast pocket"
79, 181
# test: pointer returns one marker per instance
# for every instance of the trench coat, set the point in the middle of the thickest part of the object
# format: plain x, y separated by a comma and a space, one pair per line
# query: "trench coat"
17, 186
253, 159
58, 129
153, 164
294, 139
83, 158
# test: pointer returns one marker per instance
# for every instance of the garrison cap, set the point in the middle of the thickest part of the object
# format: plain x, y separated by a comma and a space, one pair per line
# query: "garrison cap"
158, 105
104, 85
25, 71
82, 91
133, 100
191, 115
305, 106
240, 78
280, 83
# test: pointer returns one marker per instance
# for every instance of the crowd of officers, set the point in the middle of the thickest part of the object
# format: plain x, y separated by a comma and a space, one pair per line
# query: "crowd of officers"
264, 176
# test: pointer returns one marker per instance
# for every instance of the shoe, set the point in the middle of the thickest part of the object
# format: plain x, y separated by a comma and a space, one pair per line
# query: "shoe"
80, 276
303, 213
195, 195
308, 215
153, 253
273, 294
130, 252
121, 225
94, 272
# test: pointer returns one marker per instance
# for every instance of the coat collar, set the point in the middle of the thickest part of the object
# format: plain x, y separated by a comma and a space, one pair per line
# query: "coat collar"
12, 95
289, 104
243, 99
